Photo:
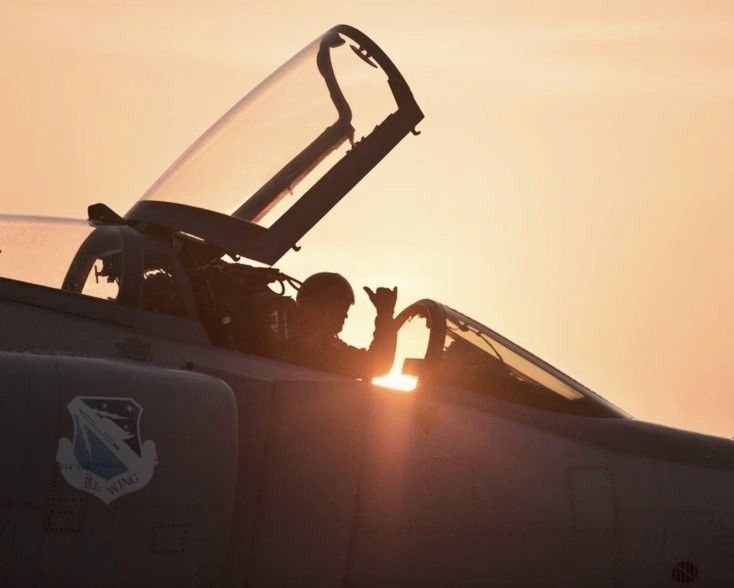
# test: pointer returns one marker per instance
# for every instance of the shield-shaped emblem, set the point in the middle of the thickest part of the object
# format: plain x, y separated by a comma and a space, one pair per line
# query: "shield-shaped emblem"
106, 458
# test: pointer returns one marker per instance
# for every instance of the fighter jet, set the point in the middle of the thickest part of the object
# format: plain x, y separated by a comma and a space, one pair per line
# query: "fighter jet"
154, 432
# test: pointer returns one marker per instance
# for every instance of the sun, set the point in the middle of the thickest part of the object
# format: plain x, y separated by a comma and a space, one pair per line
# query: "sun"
397, 381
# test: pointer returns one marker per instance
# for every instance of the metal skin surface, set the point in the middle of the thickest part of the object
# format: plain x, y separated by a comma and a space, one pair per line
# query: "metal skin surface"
56, 534
135, 452
287, 476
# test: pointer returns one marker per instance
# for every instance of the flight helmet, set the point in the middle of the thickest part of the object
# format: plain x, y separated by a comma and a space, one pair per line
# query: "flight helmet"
326, 286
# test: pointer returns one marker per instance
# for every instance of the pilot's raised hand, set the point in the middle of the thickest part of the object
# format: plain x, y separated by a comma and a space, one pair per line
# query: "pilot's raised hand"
384, 300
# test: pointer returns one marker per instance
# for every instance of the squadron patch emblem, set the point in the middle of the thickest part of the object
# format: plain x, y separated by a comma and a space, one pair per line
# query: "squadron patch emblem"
106, 458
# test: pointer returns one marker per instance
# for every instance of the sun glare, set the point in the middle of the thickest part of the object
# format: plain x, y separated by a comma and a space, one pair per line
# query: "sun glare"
397, 381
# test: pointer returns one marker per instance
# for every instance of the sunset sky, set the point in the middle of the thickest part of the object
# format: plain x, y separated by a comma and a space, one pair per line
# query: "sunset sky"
572, 188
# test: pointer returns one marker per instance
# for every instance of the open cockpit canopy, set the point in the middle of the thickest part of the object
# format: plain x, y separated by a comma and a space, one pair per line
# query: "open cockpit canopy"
286, 153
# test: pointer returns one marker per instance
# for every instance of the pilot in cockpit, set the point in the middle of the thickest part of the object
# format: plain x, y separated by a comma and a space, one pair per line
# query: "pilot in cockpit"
323, 304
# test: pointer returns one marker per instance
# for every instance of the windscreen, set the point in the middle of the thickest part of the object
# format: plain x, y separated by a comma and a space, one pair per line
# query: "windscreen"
477, 353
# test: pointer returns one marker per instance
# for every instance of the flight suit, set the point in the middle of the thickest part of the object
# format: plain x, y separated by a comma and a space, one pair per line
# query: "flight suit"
331, 354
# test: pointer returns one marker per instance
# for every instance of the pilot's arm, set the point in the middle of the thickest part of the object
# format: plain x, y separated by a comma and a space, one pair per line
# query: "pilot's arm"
384, 338
378, 359
334, 355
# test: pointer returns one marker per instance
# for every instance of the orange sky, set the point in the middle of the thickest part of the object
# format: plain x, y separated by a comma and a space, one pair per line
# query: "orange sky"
573, 186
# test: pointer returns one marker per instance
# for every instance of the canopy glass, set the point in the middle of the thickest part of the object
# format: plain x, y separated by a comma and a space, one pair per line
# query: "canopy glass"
305, 136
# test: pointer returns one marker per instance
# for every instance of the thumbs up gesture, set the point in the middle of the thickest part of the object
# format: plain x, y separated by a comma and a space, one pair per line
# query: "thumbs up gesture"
384, 299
